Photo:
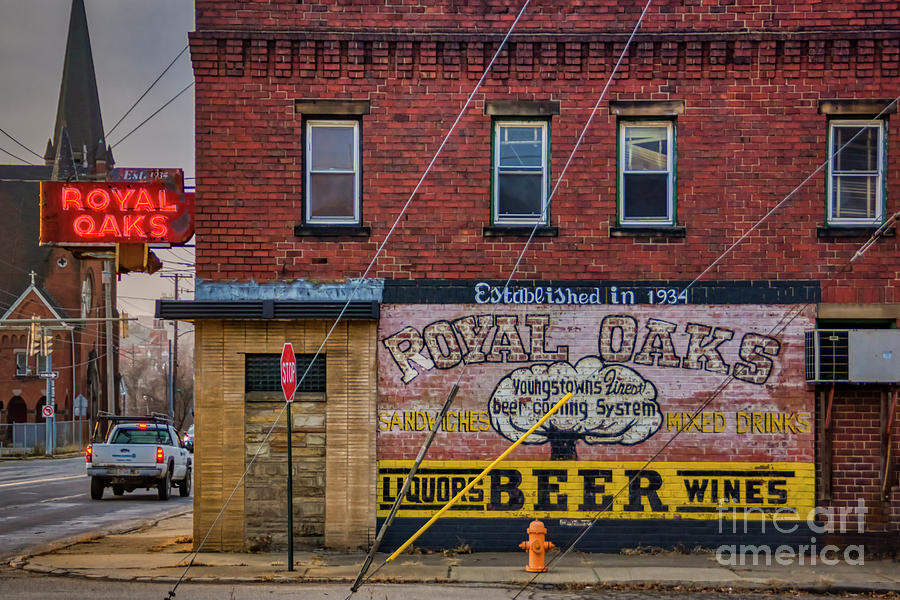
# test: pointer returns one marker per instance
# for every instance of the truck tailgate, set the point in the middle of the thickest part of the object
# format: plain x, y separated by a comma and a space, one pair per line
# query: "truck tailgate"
125, 455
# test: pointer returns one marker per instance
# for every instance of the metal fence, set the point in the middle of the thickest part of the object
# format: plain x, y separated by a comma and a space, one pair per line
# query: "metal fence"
31, 438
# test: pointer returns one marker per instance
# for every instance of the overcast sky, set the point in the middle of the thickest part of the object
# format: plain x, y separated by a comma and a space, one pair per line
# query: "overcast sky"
132, 42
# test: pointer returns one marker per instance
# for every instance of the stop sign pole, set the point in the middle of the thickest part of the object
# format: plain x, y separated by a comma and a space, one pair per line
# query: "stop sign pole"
289, 386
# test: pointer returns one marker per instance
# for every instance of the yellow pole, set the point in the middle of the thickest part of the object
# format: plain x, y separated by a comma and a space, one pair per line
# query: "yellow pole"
487, 469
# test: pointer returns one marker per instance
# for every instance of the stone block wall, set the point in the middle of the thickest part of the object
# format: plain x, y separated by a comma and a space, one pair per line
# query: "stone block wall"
265, 490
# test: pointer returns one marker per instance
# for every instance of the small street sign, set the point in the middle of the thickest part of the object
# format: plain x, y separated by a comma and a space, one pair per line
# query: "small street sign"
47, 411
49, 375
288, 372
79, 405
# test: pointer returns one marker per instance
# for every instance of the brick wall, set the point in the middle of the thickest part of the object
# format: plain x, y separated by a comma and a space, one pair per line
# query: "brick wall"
750, 133
857, 463
494, 15
751, 77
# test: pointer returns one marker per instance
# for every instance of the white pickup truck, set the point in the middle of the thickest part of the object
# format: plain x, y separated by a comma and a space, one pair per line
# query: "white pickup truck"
137, 452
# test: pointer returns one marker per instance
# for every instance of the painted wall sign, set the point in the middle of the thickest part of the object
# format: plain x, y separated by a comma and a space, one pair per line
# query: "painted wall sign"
485, 293
576, 489
586, 292
104, 214
498, 338
639, 375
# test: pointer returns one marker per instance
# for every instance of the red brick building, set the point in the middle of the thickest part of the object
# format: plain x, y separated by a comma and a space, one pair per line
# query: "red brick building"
54, 284
711, 217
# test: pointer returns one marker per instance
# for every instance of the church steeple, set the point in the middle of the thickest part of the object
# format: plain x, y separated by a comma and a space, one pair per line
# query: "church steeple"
78, 111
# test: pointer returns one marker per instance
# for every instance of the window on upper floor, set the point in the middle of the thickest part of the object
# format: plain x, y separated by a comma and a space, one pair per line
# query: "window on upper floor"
646, 173
521, 172
855, 172
22, 369
41, 362
332, 172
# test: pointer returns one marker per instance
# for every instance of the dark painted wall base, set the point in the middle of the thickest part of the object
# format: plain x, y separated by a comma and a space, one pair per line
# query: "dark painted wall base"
610, 536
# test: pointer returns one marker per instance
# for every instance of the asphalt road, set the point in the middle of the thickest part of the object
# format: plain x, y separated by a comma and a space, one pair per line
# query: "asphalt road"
45, 500
20, 585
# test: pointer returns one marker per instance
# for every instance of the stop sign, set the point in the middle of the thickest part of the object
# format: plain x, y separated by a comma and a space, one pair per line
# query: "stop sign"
288, 372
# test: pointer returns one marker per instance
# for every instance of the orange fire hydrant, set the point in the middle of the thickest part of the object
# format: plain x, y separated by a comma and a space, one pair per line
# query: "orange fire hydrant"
537, 547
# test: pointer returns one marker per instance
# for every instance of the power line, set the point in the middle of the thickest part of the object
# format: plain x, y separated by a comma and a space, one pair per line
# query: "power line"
777, 329
159, 110
364, 275
155, 81
790, 195
27, 162
355, 288
23, 146
361, 577
786, 319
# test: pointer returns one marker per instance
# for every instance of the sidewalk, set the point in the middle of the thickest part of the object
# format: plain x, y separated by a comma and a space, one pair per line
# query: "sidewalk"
160, 552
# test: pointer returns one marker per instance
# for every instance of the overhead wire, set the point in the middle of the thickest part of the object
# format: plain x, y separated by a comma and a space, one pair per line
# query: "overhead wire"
777, 329
388, 236
27, 162
159, 110
147, 91
872, 240
20, 144
784, 321
362, 577
790, 195
355, 285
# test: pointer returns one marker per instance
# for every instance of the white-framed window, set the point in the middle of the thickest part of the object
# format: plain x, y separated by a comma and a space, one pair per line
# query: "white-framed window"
332, 173
521, 172
41, 362
855, 172
22, 369
646, 173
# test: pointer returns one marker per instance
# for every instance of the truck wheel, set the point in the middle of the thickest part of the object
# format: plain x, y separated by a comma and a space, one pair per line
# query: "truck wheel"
184, 486
97, 488
118, 490
164, 485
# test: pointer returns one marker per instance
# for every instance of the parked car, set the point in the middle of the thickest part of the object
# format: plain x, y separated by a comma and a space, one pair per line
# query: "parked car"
188, 440
137, 452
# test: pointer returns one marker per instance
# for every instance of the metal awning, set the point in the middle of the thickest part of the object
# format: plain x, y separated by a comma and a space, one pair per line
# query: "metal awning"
189, 310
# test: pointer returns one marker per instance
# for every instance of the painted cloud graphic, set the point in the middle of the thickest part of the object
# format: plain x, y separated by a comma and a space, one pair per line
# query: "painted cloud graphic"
610, 405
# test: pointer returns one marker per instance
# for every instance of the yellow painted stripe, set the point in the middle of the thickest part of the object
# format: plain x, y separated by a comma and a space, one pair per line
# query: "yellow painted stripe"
32, 481
684, 488
472, 483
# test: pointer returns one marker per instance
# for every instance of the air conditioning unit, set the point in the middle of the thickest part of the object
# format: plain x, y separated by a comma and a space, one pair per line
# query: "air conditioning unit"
853, 355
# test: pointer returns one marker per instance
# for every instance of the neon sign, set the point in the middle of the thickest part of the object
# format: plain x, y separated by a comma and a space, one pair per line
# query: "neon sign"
106, 213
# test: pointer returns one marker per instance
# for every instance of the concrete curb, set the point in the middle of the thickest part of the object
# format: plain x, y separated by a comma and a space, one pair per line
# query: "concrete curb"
15, 457
18, 562
686, 585
489, 570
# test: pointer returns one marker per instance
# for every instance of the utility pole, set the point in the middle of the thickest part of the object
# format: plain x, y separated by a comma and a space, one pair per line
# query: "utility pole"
110, 375
174, 360
49, 400
50, 422
171, 386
